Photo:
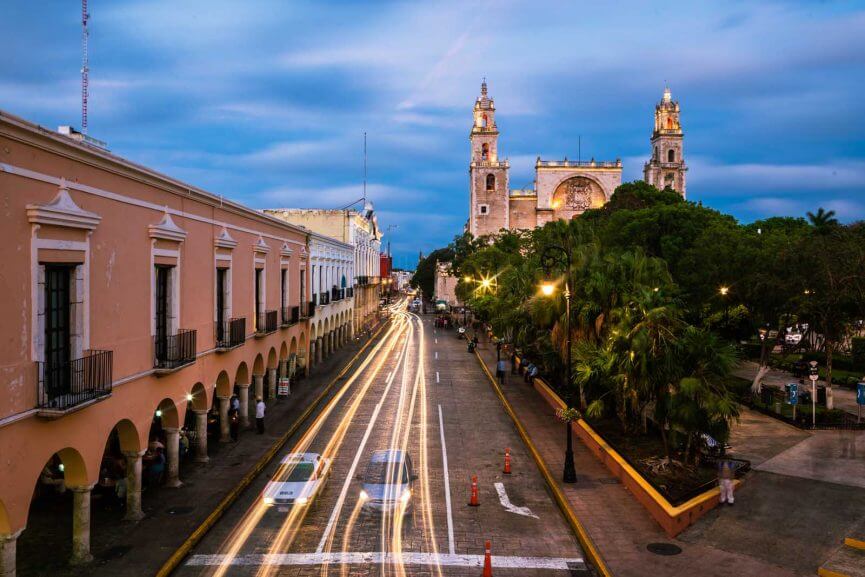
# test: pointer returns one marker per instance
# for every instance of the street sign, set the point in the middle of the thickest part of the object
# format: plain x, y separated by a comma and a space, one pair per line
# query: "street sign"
813, 371
793, 393
283, 387
860, 394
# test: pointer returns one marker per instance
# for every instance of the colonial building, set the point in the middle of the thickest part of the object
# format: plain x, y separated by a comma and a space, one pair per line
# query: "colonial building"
445, 287
134, 306
562, 188
666, 169
332, 268
359, 229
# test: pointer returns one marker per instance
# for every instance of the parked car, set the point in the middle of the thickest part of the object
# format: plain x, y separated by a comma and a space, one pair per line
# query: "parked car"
300, 479
387, 481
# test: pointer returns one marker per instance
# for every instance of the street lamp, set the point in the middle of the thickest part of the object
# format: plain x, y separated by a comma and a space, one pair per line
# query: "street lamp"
549, 258
724, 290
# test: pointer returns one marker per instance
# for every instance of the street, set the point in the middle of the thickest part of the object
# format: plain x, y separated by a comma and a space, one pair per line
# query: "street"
417, 391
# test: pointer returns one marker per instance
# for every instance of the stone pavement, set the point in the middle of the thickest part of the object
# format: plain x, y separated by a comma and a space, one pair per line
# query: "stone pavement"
133, 549
621, 528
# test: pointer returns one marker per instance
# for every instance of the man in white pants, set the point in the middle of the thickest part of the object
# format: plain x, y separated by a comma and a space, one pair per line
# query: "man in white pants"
726, 474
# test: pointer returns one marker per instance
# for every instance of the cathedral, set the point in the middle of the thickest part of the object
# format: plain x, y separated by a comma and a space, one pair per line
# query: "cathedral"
562, 188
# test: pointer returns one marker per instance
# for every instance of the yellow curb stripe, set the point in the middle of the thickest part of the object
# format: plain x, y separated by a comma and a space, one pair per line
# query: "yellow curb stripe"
177, 557
855, 543
828, 573
579, 531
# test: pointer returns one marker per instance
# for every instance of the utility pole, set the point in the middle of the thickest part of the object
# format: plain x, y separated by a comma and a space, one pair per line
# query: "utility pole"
85, 67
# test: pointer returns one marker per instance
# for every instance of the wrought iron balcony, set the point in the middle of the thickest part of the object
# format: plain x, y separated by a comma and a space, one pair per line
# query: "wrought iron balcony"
171, 352
323, 298
362, 280
266, 323
349, 292
231, 333
290, 316
337, 294
311, 311
64, 386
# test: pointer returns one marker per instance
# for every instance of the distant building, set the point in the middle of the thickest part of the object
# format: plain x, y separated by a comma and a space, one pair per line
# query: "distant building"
445, 287
564, 188
359, 229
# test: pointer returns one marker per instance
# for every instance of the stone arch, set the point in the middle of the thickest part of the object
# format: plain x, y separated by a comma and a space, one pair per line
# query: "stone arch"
127, 434
671, 155
292, 348
272, 359
283, 351
74, 467
223, 385
168, 411
242, 375
491, 181
574, 194
258, 365
198, 397
485, 151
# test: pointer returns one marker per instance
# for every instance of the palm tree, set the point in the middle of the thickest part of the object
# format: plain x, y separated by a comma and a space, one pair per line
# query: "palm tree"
823, 220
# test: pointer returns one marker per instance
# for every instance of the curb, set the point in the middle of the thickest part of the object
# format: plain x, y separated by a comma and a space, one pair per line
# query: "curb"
580, 532
183, 550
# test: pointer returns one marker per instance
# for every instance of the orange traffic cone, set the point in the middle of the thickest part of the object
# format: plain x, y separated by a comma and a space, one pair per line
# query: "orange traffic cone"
507, 470
473, 502
488, 562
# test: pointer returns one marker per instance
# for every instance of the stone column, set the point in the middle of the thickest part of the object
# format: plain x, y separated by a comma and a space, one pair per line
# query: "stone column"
224, 430
318, 350
243, 397
258, 382
201, 435
81, 525
8, 546
172, 450
271, 385
283, 368
133, 486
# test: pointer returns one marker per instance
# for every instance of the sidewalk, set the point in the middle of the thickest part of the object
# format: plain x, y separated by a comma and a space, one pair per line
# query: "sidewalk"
134, 549
619, 526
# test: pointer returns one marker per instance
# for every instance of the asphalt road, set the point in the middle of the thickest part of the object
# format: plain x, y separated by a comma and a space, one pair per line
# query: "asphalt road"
420, 391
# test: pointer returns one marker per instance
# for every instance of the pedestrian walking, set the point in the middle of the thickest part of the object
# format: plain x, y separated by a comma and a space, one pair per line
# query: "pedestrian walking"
726, 474
500, 370
233, 422
514, 361
259, 416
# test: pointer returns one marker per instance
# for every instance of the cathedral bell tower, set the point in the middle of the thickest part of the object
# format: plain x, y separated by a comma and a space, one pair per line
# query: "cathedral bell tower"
488, 186
667, 166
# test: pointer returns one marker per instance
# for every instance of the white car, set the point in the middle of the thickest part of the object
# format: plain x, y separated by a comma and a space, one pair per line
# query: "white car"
793, 338
300, 478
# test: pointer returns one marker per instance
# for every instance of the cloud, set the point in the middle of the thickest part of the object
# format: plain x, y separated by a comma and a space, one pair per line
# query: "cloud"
792, 178
335, 196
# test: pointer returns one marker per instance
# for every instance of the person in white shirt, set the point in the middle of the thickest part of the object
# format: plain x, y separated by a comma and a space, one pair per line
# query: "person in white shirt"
259, 416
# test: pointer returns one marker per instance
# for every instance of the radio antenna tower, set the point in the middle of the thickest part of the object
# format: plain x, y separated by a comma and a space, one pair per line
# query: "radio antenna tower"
364, 167
85, 68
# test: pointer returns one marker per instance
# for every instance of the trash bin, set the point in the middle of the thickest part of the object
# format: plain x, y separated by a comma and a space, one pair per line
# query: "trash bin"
821, 396
766, 396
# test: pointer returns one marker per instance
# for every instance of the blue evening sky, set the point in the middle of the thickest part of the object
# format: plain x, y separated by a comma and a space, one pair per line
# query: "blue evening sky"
266, 101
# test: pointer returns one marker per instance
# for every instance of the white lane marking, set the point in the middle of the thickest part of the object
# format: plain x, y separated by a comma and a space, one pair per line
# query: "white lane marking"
405, 558
437, 376
437, 354
388, 375
506, 502
447, 482
348, 478
437, 341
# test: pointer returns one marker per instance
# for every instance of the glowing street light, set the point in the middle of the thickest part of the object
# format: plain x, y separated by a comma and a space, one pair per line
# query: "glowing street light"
724, 290
548, 289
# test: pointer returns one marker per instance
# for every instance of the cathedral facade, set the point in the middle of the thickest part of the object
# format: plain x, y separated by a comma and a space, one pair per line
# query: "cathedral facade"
562, 189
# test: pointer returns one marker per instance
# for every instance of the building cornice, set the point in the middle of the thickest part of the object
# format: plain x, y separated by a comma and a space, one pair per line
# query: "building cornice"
167, 229
62, 211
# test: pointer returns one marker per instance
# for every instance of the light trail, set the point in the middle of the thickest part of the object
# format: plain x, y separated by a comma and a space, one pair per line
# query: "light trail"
240, 534
451, 547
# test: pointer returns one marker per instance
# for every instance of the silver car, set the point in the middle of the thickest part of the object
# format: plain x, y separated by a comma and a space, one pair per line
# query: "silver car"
387, 481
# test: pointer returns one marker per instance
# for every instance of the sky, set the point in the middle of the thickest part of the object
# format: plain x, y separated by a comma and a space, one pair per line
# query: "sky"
266, 102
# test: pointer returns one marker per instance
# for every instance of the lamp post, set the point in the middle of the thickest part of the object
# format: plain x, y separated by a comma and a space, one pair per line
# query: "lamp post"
549, 257
724, 291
